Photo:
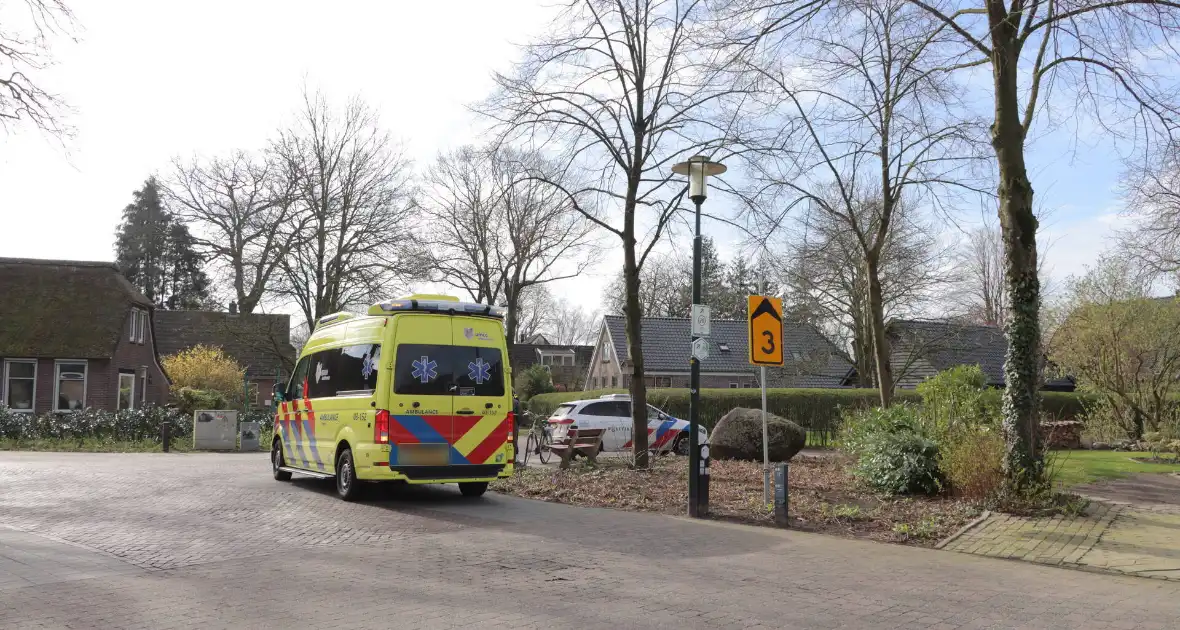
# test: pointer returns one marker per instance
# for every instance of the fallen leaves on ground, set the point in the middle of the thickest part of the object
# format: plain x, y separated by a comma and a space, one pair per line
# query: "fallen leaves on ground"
823, 496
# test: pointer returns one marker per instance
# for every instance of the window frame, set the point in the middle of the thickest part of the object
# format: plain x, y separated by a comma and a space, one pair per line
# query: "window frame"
57, 363
119, 390
143, 326
7, 388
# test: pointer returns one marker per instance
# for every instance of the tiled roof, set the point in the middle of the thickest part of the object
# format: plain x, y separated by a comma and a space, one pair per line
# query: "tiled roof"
260, 343
63, 308
811, 360
946, 344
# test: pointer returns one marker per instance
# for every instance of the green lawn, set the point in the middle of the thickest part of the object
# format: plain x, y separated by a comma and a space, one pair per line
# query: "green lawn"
1077, 467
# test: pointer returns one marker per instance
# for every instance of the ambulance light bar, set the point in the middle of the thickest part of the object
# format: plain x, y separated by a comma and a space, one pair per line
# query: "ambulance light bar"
335, 317
440, 306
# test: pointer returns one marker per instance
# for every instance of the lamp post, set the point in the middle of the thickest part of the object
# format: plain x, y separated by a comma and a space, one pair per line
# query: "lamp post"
698, 168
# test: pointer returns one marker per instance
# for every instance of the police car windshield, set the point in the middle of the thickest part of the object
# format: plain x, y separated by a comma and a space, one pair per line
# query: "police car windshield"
435, 370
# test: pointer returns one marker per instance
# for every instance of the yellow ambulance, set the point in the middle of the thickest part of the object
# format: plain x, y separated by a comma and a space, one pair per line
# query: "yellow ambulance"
416, 390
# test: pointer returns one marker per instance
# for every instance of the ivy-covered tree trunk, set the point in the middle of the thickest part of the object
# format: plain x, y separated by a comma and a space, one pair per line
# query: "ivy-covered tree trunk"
1022, 363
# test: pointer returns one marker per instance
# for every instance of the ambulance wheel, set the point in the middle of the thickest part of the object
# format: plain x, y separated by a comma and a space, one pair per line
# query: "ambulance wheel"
473, 489
277, 462
347, 485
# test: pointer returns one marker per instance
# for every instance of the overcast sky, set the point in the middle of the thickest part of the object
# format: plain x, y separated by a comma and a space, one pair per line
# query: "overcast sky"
150, 80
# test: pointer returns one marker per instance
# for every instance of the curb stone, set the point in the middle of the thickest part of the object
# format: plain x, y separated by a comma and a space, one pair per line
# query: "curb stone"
963, 530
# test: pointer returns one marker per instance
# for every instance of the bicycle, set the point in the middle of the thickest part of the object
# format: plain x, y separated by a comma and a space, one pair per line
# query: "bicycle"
538, 441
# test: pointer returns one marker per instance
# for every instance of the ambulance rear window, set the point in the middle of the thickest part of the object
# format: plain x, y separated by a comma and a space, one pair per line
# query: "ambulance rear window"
435, 370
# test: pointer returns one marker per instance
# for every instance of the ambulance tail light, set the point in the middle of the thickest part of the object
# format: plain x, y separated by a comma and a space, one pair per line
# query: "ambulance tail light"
381, 427
511, 423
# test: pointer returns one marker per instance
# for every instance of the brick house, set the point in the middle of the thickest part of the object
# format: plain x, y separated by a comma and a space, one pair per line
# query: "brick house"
920, 349
566, 363
811, 360
75, 335
260, 343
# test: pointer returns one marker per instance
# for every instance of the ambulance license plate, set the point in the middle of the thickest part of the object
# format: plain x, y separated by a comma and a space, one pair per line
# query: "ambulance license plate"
423, 454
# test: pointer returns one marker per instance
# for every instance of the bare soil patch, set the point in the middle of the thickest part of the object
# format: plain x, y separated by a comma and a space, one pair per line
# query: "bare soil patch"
823, 497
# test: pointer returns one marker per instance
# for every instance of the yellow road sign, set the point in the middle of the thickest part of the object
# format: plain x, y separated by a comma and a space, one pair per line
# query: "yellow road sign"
765, 315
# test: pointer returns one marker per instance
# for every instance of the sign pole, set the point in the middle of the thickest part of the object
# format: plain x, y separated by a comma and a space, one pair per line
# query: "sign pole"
765, 431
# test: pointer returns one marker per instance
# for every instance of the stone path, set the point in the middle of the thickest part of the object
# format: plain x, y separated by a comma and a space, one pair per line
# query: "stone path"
208, 541
1138, 535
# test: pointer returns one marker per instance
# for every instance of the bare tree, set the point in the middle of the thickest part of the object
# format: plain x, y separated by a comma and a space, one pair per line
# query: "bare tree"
873, 121
1153, 204
983, 286
497, 232
572, 325
824, 273
245, 215
353, 183
25, 31
620, 90
660, 282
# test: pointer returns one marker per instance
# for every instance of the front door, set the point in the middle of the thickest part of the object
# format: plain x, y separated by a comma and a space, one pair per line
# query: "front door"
481, 426
421, 408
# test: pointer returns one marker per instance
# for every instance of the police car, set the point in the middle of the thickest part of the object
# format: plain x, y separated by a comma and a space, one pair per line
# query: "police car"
665, 433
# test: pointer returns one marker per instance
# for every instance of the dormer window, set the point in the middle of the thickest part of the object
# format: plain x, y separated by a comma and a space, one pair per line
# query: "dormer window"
139, 323
724, 347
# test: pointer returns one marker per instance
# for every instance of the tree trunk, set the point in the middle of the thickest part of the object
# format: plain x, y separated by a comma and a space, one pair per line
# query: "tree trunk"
880, 340
1022, 363
634, 339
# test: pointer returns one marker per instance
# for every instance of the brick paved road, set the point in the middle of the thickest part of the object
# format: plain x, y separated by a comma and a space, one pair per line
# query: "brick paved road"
210, 541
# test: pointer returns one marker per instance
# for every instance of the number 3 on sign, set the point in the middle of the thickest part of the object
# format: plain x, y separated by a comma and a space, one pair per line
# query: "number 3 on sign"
764, 315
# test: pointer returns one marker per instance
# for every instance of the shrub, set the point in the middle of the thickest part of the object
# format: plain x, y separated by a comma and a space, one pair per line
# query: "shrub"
901, 462
863, 427
189, 400
90, 423
534, 381
971, 459
957, 397
206, 368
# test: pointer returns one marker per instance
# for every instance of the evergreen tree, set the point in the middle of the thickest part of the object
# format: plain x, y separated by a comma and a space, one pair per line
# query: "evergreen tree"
155, 253
741, 281
712, 280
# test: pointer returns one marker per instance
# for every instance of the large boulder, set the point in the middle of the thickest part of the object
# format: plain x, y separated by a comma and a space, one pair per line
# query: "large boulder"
738, 435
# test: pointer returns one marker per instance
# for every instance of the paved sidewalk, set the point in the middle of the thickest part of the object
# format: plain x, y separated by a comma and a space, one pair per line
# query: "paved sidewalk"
1118, 538
204, 541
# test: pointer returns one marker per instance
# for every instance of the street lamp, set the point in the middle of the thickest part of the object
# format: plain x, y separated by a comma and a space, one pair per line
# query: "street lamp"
698, 168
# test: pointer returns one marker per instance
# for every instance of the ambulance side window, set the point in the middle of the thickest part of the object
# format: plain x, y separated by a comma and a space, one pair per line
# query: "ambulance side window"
356, 370
295, 387
321, 374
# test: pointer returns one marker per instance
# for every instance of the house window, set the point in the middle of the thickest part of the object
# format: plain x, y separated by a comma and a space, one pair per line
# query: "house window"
126, 390
605, 353
724, 347
733, 385
20, 385
70, 385
143, 326
139, 323
614, 381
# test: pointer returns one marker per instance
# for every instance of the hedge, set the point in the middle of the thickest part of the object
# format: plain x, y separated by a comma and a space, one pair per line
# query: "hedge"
817, 410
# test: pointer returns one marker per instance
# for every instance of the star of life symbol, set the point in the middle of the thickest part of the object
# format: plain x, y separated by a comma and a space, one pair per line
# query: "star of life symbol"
368, 367
479, 371
425, 369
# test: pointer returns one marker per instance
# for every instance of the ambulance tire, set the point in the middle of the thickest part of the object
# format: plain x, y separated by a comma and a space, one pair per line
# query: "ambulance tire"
473, 489
277, 461
348, 487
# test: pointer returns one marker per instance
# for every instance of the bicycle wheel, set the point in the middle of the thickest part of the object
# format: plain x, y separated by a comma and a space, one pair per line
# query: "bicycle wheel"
529, 445
543, 451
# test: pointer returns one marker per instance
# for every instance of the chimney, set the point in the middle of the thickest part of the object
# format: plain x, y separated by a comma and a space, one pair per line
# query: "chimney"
233, 307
